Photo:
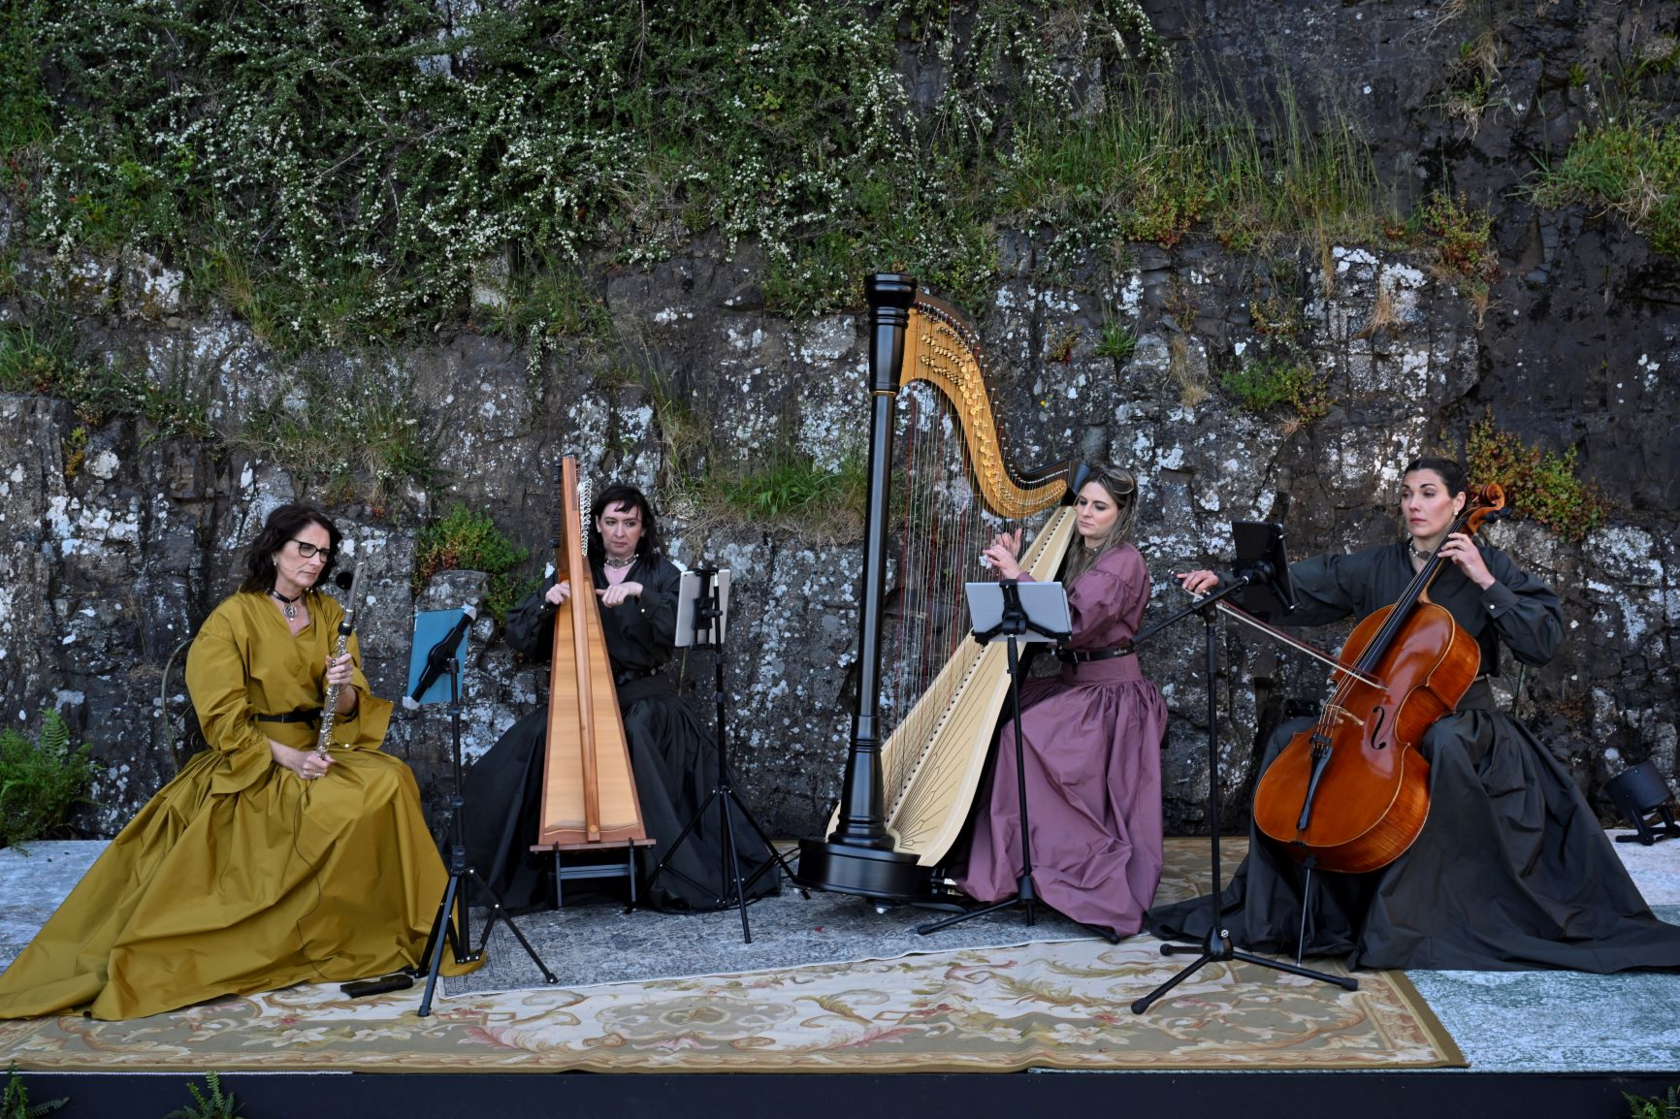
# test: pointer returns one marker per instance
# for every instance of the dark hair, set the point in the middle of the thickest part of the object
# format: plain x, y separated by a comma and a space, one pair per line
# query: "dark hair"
649, 546
1122, 487
282, 526
1450, 471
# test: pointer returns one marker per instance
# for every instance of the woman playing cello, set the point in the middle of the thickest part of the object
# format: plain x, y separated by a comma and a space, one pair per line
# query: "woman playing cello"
1511, 868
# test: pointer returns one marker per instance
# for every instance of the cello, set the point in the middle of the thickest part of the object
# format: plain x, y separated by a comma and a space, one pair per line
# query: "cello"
1352, 793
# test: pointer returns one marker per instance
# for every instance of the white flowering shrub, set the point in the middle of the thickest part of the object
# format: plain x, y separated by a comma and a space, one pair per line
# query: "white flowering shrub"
336, 169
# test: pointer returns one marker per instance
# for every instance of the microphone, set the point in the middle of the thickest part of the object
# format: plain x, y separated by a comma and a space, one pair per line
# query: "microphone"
437, 661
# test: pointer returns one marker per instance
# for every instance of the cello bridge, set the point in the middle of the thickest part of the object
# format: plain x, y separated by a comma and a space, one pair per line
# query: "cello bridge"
1342, 713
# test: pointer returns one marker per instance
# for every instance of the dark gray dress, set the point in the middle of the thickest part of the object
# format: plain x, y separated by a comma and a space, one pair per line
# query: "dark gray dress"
671, 754
1511, 869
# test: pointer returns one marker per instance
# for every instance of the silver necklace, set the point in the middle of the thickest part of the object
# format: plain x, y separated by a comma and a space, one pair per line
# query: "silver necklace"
1411, 546
287, 604
617, 565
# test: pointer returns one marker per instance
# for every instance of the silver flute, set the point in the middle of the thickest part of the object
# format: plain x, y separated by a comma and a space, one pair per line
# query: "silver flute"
329, 704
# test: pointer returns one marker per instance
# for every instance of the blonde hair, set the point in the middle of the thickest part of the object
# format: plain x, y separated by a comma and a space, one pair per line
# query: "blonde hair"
1122, 487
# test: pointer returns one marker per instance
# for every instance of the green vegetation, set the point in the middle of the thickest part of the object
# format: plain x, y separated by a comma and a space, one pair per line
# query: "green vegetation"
1642, 1107
1460, 237
1630, 168
354, 175
790, 492
355, 431
1117, 342
210, 1104
43, 358
25, 109
1287, 382
14, 1101
1159, 160
40, 780
471, 541
1540, 485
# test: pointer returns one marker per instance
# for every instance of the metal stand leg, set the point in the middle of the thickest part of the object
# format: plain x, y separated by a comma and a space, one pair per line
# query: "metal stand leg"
451, 921
1217, 946
723, 794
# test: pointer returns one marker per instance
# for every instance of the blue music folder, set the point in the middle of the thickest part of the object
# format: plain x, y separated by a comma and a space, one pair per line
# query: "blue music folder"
430, 627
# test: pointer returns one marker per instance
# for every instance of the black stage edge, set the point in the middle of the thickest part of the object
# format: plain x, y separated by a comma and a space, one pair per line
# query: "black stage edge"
1252, 1095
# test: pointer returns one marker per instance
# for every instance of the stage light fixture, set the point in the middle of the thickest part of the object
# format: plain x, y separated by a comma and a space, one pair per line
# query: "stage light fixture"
1640, 793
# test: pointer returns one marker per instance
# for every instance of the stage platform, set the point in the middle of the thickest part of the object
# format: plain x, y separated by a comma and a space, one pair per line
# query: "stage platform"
1011, 1019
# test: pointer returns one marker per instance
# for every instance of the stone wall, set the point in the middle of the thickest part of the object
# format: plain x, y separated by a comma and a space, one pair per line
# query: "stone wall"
106, 562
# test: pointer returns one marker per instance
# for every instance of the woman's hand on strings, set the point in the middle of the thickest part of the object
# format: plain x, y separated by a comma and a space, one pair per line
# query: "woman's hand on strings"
1462, 552
623, 592
1198, 582
558, 593
1002, 554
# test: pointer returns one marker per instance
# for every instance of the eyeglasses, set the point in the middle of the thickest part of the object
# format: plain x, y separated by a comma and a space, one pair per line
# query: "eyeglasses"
309, 551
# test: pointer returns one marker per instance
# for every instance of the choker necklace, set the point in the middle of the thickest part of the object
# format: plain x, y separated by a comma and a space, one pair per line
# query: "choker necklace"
288, 604
1411, 546
618, 565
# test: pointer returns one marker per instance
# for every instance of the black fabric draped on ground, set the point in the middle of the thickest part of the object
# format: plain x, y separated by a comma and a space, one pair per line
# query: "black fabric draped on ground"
1510, 871
672, 755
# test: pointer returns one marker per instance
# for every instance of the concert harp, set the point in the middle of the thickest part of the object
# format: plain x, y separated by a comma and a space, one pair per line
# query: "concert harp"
589, 797
929, 696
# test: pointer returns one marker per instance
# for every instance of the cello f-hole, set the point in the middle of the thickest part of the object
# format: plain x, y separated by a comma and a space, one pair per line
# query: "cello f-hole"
1378, 714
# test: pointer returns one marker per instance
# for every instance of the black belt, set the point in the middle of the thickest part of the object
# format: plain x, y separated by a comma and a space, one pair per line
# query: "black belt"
1077, 656
626, 675
301, 715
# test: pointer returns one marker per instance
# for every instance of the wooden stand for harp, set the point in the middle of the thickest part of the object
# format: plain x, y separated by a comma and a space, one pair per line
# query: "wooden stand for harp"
589, 798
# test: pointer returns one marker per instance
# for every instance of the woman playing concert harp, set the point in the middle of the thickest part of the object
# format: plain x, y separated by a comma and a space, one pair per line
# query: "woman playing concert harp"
942, 483
1091, 738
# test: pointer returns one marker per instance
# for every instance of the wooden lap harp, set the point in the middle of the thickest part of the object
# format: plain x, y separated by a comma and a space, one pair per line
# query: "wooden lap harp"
589, 792
929, 696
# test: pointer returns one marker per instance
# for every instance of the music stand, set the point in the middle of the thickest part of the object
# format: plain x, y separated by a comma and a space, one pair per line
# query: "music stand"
1016, 612
1262, 577
446, 656
702, 619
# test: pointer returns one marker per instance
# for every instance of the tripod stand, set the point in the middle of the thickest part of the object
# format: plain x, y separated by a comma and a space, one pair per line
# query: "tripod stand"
451, 922
1217, 945
1014, 622
706, 589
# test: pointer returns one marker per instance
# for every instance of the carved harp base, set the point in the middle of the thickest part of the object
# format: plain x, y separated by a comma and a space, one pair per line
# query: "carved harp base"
844, 869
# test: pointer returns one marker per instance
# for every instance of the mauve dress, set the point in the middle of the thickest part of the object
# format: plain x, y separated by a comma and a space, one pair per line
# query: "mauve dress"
1092, 742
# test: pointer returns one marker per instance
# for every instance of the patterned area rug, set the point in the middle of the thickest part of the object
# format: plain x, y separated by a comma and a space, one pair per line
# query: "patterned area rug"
1062, 1005
1059, 1006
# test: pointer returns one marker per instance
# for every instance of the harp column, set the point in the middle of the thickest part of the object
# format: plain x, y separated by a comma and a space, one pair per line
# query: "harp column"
858, 856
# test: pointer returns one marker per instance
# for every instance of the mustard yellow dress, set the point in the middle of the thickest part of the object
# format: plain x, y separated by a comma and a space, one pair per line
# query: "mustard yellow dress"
239, 876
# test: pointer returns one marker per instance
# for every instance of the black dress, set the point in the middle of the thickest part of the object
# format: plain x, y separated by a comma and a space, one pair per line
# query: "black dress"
1511, 869
671, 754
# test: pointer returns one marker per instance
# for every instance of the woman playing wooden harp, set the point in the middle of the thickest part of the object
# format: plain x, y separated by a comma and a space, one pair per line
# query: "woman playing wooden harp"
515, 788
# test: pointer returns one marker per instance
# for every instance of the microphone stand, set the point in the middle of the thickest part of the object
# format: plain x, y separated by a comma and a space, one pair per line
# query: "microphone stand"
708, 633
1217, 945
1013, 623
451, 922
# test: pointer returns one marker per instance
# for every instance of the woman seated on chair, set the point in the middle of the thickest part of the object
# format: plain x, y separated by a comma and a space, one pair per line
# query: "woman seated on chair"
672, 756
1091, 738
1511, 868
263, 863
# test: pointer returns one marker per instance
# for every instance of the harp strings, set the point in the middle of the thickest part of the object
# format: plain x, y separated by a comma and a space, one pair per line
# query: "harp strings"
942, 528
